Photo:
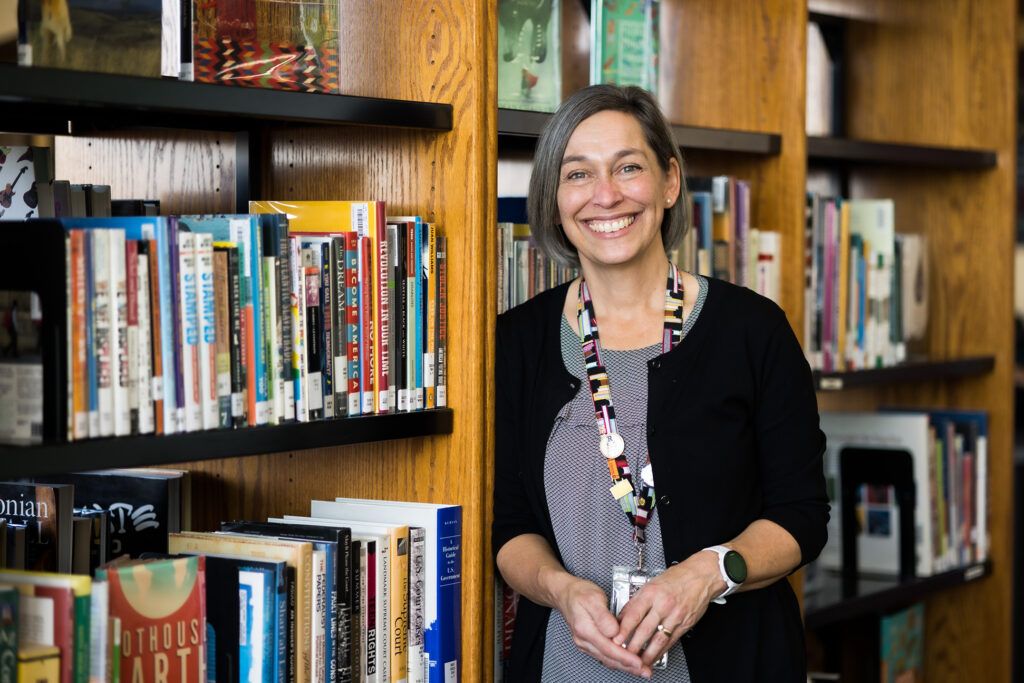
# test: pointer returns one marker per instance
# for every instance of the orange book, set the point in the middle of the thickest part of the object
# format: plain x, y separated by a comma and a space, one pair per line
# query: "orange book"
79, 361
157, 356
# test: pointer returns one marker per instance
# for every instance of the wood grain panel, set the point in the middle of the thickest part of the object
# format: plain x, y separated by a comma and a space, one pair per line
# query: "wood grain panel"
188, 172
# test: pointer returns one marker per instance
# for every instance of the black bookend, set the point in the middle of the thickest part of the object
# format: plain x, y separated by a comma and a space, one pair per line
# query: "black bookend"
859, 466
21, 268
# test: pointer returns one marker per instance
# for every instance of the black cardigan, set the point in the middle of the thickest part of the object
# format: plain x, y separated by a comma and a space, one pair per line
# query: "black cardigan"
733, 434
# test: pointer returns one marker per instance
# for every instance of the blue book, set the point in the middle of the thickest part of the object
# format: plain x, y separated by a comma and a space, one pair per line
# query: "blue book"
352, 350
702, 205
443, 575
245, 231
256, 636
157, 228
90, 340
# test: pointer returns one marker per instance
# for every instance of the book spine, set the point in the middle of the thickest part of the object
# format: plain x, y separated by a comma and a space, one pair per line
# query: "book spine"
398, 624
359, 610
236, 345
102, 304
343, 586
190, 331
339, 320
285, 322
206, 302
298, 308
393, 316
241, 231
180, 383
314, 388
131, 263
279, 635
418, 662
331, 643
167, 257
275, 388
371, 606
366, 325
222, 320
156, 343
79, 362
429, 339
323, 250
119, 333
147, 421
400, 352
99, 615
444, 642
410, 318
9, 635
352, 344
441, 346
382, 325
318, 611
261, 360
419, 278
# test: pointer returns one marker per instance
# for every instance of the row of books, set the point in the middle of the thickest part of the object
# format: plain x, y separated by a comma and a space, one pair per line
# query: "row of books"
77, 521
865, 287
360, 590
523, 270
185, 323
624, 49
949, 451
285, 46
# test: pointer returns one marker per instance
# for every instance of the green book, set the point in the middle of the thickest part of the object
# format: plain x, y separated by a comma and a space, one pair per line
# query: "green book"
529, 55
625, 42
8, 634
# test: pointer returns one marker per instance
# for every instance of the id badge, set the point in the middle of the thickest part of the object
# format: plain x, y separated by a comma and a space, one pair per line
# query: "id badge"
626, 581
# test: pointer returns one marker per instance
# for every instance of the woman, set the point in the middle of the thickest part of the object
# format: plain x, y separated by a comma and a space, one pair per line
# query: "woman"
693, 404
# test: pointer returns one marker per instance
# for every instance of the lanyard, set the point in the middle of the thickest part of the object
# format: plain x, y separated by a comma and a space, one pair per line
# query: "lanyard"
637, 506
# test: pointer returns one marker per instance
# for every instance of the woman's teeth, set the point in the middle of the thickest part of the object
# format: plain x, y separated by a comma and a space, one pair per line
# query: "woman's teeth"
611, 226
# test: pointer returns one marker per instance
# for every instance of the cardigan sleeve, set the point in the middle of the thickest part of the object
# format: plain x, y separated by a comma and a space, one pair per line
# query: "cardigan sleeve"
512, 513
791, 445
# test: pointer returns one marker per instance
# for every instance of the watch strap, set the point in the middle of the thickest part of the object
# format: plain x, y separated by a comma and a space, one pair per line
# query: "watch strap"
730, 585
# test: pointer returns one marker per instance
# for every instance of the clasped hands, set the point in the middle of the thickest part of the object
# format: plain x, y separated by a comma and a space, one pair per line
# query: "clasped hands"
676, 599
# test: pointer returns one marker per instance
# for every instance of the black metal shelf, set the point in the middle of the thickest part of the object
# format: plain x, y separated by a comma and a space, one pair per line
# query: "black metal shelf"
841, 151
877, 597
57, 101
522, 128
148, 451
914, 371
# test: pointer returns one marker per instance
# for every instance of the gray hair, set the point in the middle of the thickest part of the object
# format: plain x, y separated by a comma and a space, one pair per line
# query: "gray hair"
542, 202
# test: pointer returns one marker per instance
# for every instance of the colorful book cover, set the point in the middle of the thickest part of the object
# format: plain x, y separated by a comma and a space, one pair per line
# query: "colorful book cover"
298, 313
625, 42
430, 313
167, 597
529, 62
314, 337
352, 333
92, 35
441, 352
26, 182
902, 646
284, 46
206, 318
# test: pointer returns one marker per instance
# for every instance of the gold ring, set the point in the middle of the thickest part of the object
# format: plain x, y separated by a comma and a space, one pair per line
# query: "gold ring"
662, 629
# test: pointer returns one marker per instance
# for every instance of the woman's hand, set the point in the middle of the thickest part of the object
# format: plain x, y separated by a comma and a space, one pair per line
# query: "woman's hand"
585, 609
676, 599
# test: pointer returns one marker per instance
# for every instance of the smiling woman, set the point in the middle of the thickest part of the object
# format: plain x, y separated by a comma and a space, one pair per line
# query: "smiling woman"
699, 414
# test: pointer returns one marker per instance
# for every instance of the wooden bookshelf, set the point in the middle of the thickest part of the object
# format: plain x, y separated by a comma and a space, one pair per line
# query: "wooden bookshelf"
842, 151
912, 371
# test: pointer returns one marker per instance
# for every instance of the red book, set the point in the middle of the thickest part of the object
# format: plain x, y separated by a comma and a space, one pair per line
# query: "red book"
79, 369
162, 607
366, 289
131, 263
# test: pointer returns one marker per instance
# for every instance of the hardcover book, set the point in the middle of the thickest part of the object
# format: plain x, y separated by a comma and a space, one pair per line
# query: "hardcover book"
529, 49
48, 511
165, 597
284, 46
625, 42
92, 35
26, 182
902, 646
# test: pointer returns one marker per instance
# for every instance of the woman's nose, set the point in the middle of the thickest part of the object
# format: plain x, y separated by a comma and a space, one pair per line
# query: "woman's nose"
607, 192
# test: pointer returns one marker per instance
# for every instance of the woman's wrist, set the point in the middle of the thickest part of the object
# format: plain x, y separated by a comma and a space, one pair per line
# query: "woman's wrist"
554, 582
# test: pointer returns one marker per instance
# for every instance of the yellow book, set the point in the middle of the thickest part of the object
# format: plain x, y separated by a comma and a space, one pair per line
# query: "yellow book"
296, 554
365, 218
38, 663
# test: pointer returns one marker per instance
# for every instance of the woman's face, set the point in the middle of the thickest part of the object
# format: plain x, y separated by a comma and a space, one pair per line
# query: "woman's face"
612, 192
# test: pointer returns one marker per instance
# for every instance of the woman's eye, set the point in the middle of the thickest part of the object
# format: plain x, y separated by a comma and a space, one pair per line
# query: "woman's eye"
631, 168
575, 175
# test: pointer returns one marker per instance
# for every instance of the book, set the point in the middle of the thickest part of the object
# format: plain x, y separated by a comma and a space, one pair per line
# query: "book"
26, 182
441, 345
625, 43
294, 46
119, 333
236, 404
8, 633
207, 331
84, 35
162, 607
38, 663
529, 49
143, 505
901, 645
443, 593
99, 632
48, 510
297, 555
276, 246
314, 336
143, 356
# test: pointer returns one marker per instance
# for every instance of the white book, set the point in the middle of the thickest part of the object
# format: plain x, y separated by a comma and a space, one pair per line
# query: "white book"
101, 420
207, 320
271, 331
99, 630
119, 330
298, 313
251, 610
189, 316
35, 620
878, 546
318, 608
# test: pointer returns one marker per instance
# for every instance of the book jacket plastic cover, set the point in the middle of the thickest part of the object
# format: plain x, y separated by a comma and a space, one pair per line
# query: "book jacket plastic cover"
625, 42
529, 55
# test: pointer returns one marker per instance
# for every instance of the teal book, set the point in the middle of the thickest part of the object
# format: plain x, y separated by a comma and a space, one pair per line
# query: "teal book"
902, 646
625, 42
529, 55
8, 634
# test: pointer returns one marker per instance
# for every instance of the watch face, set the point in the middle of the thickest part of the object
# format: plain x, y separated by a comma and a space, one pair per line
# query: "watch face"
735, 566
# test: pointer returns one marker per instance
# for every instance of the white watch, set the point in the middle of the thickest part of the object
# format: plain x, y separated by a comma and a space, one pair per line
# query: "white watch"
733, 568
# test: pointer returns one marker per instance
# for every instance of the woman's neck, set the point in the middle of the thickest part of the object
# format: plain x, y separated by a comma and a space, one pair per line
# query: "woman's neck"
629, 303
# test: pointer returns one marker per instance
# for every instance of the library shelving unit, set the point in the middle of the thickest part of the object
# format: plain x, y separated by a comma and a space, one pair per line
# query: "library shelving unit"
415, 134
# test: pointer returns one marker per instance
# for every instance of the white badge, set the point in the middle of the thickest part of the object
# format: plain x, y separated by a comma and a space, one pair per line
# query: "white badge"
612, 445
647, 474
